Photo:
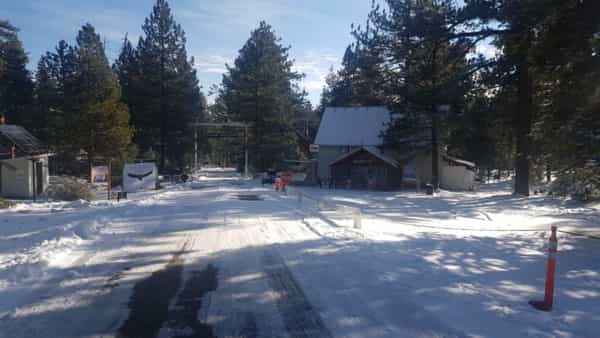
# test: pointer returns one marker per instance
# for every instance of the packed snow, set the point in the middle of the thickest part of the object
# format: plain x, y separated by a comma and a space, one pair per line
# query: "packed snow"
459, 264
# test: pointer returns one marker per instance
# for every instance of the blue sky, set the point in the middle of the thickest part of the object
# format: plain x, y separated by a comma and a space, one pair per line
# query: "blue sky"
317, 30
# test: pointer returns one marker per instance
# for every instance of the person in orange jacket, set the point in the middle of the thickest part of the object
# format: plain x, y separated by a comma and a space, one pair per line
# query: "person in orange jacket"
286, 179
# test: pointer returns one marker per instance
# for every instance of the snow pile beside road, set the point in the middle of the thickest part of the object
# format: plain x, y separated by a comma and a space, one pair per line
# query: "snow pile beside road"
34, 263
38, 251
39, 238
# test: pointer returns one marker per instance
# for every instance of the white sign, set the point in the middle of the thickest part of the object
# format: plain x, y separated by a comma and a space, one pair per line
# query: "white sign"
139, 176
314, 148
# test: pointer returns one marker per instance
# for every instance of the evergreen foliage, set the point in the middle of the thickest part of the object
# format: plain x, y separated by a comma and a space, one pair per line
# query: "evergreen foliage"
79, 106
260, 89
16, 85
161, 88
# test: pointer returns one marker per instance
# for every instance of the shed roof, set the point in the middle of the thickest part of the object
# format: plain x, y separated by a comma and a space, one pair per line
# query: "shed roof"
353, 126
458, 161
25, 142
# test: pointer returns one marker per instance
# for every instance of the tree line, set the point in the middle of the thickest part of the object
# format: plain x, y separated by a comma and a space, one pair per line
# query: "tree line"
531, 105
142, 106
146, 103
534, 105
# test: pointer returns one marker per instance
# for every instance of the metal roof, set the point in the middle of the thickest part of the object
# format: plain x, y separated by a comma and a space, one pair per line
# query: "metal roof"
26, 144
352, 126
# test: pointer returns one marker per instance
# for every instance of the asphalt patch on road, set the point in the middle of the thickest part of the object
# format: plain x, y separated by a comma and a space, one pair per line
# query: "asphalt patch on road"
300, 318
249, 197
184, 317
149, 303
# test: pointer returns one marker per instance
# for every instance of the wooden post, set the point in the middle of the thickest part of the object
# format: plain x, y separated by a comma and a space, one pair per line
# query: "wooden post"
357, 218
34, 183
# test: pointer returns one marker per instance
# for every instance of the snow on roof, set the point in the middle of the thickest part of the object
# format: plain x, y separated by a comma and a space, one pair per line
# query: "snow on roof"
388, 158
459, 161
352, 126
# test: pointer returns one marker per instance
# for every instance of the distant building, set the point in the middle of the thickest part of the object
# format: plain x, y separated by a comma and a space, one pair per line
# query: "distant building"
351, 155
23, 163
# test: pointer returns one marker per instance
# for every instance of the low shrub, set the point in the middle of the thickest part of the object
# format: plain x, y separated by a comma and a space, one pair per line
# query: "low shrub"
65, 188
581, 184
5, 204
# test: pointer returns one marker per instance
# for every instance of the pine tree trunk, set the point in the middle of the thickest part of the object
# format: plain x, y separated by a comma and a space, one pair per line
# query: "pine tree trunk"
435, 150
523, 121
163, 114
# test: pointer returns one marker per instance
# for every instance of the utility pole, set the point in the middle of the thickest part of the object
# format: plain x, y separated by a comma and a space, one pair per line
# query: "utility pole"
246, 151
195, 148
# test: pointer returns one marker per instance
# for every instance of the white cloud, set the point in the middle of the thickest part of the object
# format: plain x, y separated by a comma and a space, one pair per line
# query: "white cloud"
211, 63
71, 18
216, 70
315, 65
227, 13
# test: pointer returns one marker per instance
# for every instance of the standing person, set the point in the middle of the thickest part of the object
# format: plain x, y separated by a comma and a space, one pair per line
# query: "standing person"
286, 179
278, 183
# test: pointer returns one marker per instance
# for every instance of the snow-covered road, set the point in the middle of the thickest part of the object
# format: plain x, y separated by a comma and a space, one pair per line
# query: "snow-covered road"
456, 265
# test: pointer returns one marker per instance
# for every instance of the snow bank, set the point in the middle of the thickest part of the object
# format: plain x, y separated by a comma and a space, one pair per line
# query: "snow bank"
38, 251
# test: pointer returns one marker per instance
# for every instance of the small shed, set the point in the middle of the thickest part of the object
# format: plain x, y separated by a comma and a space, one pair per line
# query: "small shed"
457, 174
367, 168
23, 163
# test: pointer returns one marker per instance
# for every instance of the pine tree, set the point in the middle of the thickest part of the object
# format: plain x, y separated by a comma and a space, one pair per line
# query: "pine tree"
16, 85
8, 33
529, 54
259, 89
165, 98
426, 71
55, 96
360, 81
567, 65
101, 118
127, 70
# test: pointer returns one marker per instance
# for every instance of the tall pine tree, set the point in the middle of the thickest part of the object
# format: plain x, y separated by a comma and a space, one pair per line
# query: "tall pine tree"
16, 85
161, 88
360, 81
55, 96
259, 89
101, 118
427, 73
537, 39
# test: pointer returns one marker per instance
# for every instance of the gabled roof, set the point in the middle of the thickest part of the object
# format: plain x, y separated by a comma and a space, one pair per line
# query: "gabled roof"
25, 143
352, 126
387, 157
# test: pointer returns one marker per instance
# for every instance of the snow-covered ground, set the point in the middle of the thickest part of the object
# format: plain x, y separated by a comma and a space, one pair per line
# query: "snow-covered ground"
453, 265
